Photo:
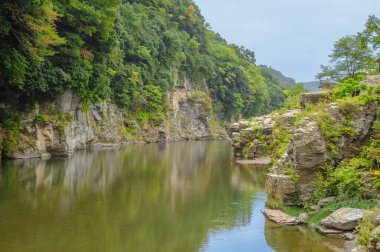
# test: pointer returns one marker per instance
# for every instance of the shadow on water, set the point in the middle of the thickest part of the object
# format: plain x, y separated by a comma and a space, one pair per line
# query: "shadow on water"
157, 197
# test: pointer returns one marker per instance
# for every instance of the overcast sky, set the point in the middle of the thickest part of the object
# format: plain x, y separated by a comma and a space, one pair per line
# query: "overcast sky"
293, 36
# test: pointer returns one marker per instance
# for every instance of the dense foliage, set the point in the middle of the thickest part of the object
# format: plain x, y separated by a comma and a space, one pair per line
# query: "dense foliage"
284, 81
133, 52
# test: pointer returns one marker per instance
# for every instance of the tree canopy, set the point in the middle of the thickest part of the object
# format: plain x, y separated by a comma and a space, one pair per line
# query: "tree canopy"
132, 52
353, 55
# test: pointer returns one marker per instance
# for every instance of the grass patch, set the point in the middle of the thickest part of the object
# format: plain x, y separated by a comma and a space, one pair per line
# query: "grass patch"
272, 202
330, 208
292, 173
294, 210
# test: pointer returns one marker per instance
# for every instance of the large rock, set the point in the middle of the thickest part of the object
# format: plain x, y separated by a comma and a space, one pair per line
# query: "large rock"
373, 80
256, 150
375, 233
326, 201
305, 154
281, 187
280, 217
290, 116
254, 136
343, 219
307, 149
313, 98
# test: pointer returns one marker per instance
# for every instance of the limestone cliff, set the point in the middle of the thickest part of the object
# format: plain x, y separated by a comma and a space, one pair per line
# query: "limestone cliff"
61, 125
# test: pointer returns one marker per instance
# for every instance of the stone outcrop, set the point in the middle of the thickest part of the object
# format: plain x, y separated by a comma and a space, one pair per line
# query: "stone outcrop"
345, 219
313, 98
289, 180
305, 154
373, 80
64, 124
326, 201
67, 127
251, 138
280, 217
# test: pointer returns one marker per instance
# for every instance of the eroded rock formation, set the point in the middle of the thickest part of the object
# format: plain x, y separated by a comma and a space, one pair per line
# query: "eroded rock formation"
64, 124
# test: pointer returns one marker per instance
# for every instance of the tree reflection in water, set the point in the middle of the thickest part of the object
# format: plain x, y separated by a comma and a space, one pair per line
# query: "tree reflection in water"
156, 197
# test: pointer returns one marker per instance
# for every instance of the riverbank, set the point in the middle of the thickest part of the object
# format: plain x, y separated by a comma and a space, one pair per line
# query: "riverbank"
325, 160
58, 126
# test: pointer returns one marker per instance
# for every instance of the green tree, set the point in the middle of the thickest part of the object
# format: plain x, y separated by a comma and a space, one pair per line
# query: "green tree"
372, 31
351, 56
27, 35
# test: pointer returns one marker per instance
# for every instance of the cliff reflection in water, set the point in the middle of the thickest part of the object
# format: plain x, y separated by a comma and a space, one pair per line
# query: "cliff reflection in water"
159, 197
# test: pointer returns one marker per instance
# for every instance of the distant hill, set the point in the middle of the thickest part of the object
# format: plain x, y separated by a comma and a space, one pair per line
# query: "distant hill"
311, 85
287, 82
283, 80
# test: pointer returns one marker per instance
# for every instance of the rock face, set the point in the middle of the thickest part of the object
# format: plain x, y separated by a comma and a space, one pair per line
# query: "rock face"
67, 127
345, 219
59, 126
251, 138
305, 154
326, 201
280, 217
307, 149
190, 115
312, 98
308, 152
373, 80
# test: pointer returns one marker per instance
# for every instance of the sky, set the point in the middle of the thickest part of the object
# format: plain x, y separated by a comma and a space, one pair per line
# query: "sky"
293, 36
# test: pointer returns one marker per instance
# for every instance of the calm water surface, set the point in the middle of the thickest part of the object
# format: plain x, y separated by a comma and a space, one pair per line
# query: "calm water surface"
158, 197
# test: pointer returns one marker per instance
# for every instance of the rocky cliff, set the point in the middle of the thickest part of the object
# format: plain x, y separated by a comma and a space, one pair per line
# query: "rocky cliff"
311, 149
302, 143
63, 124
253, 138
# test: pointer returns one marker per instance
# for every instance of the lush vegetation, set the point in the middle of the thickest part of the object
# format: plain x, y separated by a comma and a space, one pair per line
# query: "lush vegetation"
132, 52
284, 81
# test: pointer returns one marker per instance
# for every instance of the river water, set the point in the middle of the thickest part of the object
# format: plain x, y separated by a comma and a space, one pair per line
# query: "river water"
186, 196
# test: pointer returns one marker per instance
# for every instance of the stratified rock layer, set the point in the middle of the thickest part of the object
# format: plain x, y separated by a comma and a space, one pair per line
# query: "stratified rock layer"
104, 124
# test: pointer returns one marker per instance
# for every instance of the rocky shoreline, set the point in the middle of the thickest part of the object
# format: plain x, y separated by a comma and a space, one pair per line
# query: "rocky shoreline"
59, 126
303, 143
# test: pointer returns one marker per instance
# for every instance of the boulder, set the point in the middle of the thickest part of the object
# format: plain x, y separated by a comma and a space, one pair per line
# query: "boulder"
359, 248
373, 80
235, 134
256, 150
349, 236
377, 220
305, 154
302, 217
281, 187
343, 219
313, 98
307, 149
375, 233
290, 117
280, 217
326, 201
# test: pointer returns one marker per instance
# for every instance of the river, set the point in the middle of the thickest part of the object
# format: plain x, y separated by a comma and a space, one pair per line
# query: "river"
186, 196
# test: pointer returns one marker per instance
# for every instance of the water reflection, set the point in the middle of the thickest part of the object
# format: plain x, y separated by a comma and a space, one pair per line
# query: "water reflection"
158, 197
